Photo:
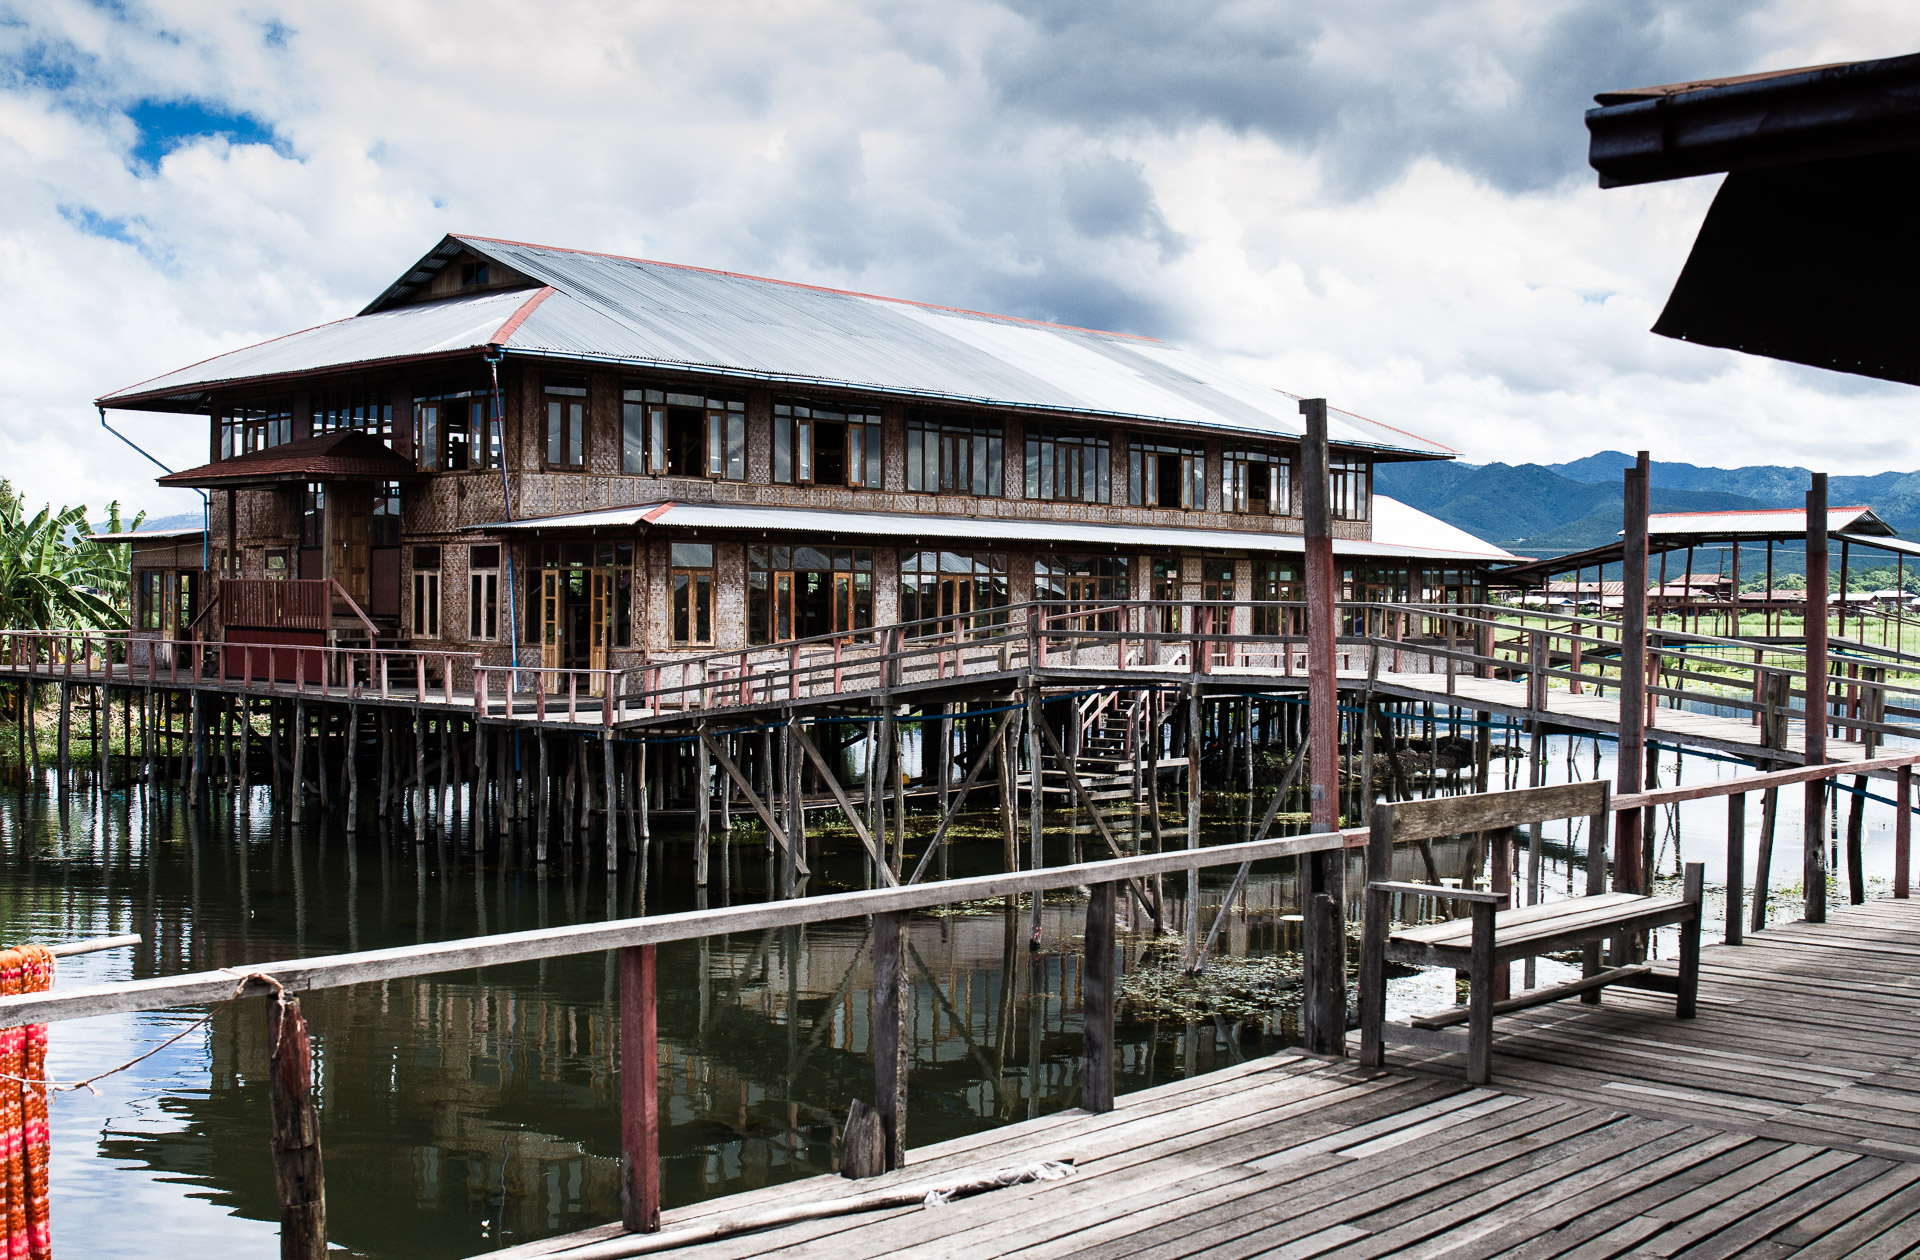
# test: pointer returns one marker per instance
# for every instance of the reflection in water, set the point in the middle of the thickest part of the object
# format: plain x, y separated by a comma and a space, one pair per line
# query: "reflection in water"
478, 1109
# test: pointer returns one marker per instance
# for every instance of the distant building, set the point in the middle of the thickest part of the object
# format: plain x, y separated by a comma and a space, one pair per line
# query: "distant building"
585, 461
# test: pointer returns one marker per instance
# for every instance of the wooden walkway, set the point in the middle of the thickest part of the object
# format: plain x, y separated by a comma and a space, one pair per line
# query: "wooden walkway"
1784, 1121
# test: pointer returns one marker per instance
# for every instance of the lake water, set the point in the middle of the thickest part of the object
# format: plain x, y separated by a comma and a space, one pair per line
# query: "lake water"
470, 1111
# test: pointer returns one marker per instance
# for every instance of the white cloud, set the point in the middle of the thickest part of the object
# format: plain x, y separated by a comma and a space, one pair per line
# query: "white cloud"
1401, 220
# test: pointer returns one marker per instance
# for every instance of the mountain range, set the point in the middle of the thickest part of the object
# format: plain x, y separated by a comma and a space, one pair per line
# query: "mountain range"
1551, 509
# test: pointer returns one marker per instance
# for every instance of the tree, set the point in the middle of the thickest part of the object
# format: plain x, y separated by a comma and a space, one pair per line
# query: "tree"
53, 575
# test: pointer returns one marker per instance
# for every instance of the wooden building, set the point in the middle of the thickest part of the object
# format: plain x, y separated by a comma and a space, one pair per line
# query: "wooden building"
576, 460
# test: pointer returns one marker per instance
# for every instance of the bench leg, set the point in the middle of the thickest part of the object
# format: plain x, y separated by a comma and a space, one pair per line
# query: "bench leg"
1684, 1003
1590, 967
1373, 978
1480, 997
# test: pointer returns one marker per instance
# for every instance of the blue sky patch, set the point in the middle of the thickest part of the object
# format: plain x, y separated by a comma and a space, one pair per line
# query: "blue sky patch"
166, 125
93, 223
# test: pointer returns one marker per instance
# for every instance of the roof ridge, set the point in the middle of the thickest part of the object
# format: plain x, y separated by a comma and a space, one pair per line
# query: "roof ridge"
816, 288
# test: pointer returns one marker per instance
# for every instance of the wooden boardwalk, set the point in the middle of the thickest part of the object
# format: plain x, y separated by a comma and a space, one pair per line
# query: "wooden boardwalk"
1784, 1121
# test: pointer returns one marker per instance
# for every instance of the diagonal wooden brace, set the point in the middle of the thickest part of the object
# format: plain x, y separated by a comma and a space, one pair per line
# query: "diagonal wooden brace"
846, 806
973, 777
759, 806
1086, 803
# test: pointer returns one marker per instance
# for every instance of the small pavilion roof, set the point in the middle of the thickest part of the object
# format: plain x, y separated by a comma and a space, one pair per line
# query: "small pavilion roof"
344, 456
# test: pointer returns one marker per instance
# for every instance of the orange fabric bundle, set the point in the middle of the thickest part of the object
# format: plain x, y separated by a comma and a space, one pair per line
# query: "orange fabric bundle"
24, 1137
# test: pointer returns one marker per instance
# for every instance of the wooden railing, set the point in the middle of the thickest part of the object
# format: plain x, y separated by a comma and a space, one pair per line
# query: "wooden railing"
282, 604
636, 941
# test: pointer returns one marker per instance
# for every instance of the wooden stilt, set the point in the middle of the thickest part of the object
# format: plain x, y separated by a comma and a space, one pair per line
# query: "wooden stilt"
702, 806
296, 1133
639, 1091
297, 797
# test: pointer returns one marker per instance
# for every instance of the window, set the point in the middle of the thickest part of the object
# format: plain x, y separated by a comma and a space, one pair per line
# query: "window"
1257, 482
1276, 582
1077, 586
426, 592
355, 411
473, 273
803, 592
151, 593
937, 584
690, 590
1074, 467
566, 400
825, 446
249, 427
953, 458
186, 601
1350, 489
276, 563
386, 515
1164, 475
313, 516
454, 430
483, 593
683, 435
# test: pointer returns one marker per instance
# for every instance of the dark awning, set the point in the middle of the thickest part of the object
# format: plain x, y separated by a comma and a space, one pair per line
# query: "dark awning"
1811, 251
347, 456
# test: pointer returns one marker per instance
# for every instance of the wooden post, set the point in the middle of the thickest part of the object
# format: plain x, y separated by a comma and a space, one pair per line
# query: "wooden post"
419, 775
296, 798
1097, 984
1902, 831
611, 799
639, 1092
1036, 804
1322, 701
1323, 896
1194, 792
1373, 939
1629, 768
1856, 811
889, 1033
296, 1133
702, 806
1480, 995
1814, 626
1736, 864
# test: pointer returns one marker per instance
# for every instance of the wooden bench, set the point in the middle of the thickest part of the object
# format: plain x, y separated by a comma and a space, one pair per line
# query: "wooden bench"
1492, 936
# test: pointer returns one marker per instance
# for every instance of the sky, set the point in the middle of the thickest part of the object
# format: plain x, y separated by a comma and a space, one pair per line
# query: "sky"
1384, 202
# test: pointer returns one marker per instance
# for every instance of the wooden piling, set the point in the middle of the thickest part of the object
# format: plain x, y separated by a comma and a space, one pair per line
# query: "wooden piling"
296, 1132
639, 1091
1814, 625
890, 994
1097, 1007
702, 804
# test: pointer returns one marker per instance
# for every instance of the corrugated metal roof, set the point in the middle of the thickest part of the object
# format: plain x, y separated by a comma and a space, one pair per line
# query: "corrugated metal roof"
1763, 522
730, 516
411, 332
641, 313
146, 535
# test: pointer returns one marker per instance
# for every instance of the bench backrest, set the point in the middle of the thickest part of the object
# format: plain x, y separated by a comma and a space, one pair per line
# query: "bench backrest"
1493, 811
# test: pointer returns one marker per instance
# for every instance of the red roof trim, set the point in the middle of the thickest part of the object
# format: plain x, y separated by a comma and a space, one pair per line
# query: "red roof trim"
654, 515
1370, 420
519, 317
795, 284
1831, 509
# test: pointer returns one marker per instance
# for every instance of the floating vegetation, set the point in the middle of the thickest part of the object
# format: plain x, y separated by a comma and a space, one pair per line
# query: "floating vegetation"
1231, 988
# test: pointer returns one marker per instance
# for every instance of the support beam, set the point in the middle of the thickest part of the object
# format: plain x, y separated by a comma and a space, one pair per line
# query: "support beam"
1097, 983
1086, 802
1321, 613
889, 1028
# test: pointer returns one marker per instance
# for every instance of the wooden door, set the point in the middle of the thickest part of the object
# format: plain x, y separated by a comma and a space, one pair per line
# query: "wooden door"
782, 606
597, 621
956, 602
551, 589
350, 509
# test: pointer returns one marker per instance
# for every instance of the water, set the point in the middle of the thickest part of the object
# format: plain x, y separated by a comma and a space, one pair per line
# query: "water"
469, 1111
